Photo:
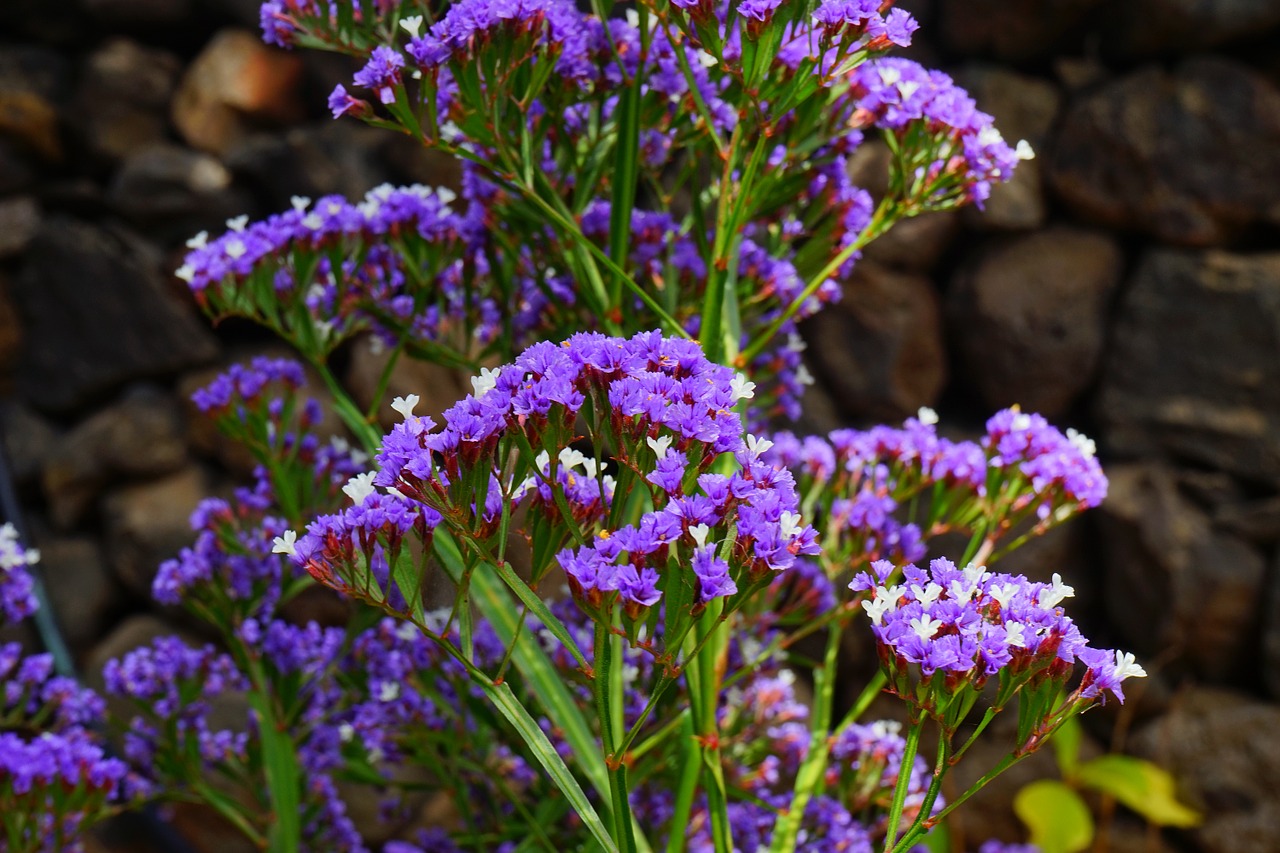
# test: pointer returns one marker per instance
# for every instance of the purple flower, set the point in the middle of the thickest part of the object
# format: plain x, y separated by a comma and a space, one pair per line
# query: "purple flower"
381, 74
17, 588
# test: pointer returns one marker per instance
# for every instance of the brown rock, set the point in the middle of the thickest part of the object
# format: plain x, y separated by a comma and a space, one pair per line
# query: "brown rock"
880, 350
96, 313
1140, 28
1024, 107
1178, 591
174, 192
1017, 30
123, 101
149, 523
28, 441
140, 13
19, 222
81, 590
1221, 749
916, 244
140, 437
438, 387
235, 82
1188, 157
10, 331
1194, 366
1029, 317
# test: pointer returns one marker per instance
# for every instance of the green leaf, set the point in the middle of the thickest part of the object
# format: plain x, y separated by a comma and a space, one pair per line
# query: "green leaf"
1066, 746
280, 763
1056, 817
1146, 788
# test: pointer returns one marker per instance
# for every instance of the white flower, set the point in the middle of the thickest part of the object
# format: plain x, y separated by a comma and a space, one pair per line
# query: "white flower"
908, 88
1024, 150
234, 249
411, 25
1082, 443
757, 446
803, 376
199, 241
238, 223
542, 461
445, 195
591, 466
571, 458
876, 608
346, 732
925, 626
186, 272
485, 382
742, 388
313, 221
699, 533
928, 595
407, 631
1127, 667
795, 343
404, 405
706, 60
435, 621
1014, 634
660, 445
927, 416
1056, 592
285, 544
359, 487
1021, 421
388, 692
300, 202
1003, 593
789, 523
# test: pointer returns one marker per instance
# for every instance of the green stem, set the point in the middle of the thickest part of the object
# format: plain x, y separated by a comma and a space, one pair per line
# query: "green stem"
904, 783
1005, 763
940, 767
604, 676
366, 433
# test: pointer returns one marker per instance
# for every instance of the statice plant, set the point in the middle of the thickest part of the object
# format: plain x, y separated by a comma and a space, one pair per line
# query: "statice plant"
579, 609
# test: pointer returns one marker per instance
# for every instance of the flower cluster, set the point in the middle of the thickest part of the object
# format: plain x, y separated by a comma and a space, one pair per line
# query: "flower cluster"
942, 633
17, 589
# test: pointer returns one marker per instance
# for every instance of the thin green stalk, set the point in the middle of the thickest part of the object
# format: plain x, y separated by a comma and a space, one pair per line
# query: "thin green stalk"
687, 789
369, 437
604, 676
904, 783
940, 767
929, 823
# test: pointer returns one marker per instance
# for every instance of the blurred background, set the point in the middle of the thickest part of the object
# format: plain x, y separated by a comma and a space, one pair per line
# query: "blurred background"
1126, 283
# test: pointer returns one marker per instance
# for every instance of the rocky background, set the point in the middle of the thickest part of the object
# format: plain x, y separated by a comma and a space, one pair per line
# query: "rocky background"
1127, 282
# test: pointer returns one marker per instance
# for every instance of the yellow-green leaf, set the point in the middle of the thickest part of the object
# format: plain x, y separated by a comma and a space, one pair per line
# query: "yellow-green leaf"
1146, 788
1056, 817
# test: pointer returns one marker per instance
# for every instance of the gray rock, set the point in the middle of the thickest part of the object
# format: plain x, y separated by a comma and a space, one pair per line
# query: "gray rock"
1220, 747
1177, 591
81, 590
96, 314
1141, 28
880, 351
1029, 317
140, 437
123, 101
149, 523
1194, 366
19, 222
1187, 156
175, 192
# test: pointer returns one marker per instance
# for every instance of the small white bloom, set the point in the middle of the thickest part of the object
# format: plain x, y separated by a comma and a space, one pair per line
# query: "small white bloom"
888, 74
1003, 593
405, 405
757, 446
285, 544
908, 88
199, 241
485, 382
699, 533
1082, 443
186, 272
1127, 667
411, 25
591, 467
927, 416
1021, 421
989, 136
1056, 592
313, 221
388, 692
633, 19
234, 249
300, 202
660, 445
741, 388
795, 343
407, 631
876, 608
238, 223
1024, 150
789, 523
706, 60
925, 626
445, 195
803, 376
346, 732
571, 458
630, 672
928, 595
1015, 634
359, 487
437, 620
542, 461
610, 483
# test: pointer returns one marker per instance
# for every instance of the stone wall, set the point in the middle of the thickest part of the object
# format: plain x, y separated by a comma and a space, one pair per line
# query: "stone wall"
1127, 282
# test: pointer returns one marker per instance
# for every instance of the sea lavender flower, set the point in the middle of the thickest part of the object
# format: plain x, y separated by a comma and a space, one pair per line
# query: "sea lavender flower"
17, 589
381, 73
